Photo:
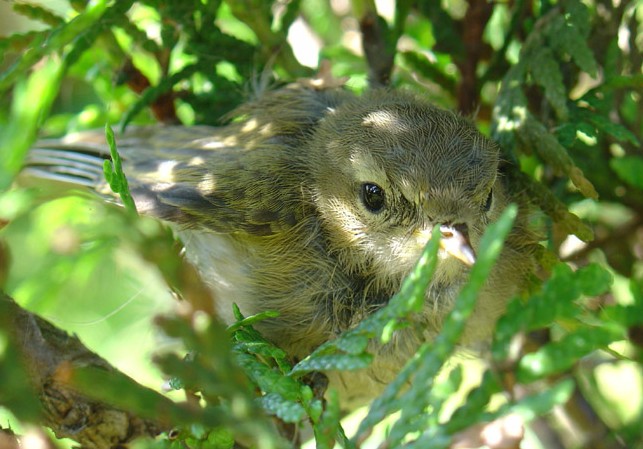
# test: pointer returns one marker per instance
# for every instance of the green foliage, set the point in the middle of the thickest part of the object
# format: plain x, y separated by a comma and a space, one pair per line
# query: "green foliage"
210, 371
33, 98
629, 169
557, 301
417, 403
113, 171
550, 81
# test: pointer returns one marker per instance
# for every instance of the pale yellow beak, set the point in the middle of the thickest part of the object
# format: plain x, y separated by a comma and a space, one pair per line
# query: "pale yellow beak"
455, 242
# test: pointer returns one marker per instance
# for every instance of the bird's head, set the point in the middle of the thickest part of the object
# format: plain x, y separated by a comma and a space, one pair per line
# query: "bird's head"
387, 168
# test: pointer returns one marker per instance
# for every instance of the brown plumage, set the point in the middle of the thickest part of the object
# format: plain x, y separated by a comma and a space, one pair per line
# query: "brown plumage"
317, 203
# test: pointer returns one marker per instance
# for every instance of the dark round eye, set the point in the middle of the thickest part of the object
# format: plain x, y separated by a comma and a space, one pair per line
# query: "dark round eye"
373, 197
488, 202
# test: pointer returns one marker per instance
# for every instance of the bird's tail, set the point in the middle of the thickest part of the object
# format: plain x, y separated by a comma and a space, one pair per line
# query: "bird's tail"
78, 165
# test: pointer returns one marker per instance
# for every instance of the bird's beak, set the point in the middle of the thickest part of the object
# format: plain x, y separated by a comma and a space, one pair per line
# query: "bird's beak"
455, 242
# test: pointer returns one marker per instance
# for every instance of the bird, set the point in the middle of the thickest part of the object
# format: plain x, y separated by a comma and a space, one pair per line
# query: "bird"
316, 203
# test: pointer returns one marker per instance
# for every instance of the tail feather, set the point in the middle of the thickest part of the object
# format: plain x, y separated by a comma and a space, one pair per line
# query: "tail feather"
155, 160
63, 165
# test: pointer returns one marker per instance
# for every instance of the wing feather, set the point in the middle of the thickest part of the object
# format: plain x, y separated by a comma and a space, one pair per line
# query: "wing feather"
248, 176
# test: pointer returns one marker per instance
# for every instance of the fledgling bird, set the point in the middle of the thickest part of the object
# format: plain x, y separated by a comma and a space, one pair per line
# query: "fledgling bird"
317, 203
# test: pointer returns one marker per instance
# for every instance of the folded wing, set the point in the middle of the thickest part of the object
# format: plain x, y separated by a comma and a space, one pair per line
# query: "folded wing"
197, 177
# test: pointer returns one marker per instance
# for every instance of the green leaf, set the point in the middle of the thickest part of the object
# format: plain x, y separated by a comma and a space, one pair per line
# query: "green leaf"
626, 316
251, 320
475, 403
251, 345
114, 174
107, 173
566, 134
615, 130
554, 301
567, 38
292, 11
221, 438
594, 280
540, 403
21, 43
210, 366
250, 341
534, 136
37, 12
31, 100
269, 379
624, 81
421, 64
510, 110
559, 356
55, 41
328, 427
432, 438
442, 391
546, 72
444, 29
333, 362
577, 15
354, 343
528, 408
552, 206
629, 169
288, 411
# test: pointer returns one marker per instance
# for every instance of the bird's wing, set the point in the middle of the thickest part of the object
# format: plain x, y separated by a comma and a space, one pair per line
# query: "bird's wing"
192, 176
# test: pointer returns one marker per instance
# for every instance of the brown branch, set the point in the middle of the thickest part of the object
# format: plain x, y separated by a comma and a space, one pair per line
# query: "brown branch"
50, 357
33, 438
473, 26
587, 423
380, 59
163, 107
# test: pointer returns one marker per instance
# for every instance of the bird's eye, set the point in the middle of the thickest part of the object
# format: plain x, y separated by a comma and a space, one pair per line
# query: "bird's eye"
373, 197
488, 202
